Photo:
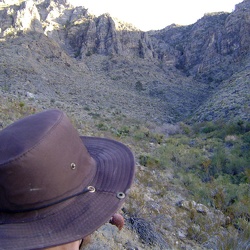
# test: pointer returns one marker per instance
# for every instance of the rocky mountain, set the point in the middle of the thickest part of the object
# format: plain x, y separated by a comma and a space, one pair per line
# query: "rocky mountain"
55, 50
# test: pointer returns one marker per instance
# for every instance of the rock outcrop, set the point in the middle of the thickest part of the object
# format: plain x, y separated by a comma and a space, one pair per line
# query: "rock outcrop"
213, 48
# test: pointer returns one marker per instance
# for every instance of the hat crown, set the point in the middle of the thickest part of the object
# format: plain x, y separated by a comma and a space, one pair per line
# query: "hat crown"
42, 160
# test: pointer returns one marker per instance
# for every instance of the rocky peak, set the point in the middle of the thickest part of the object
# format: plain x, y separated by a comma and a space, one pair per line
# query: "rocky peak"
196, 49
212, 48
237, 29
85, 33
27, 18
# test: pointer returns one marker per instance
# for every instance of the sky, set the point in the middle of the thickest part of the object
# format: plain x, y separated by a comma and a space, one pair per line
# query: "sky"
157, 14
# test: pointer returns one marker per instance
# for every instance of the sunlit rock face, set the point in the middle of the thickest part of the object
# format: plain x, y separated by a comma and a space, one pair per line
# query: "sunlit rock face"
19, 18
84, 32
28, 17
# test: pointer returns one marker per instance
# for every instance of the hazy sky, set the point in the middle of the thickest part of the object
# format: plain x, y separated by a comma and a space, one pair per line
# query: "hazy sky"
157, 14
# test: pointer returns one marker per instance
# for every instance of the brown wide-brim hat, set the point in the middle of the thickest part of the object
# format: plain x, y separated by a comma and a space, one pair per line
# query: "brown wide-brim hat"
57, 187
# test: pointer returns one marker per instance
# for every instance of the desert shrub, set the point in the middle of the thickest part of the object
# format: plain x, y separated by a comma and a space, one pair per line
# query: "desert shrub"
219, 160
208, 128
180, 155
123, 131
21, 104
141, 133
102, 126
221, 128
194, 232
246, 138
149, 161
212, 162
156, 138
145, 134
244, 227
185, 128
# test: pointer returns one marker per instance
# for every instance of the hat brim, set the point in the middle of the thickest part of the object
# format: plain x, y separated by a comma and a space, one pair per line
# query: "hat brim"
83, 214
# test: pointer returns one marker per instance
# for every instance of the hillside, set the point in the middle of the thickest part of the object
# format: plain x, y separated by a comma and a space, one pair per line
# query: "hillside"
179, 97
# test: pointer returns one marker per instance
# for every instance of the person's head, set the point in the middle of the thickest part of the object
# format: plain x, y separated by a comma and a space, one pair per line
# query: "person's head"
57, 187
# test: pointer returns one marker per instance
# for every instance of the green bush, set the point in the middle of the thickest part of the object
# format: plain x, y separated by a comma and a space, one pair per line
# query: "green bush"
21, 104
123, 131
102, 126
210, 127
246, 138
149, 161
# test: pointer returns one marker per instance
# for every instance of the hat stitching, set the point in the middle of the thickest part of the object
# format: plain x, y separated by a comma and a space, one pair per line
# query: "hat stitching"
38, 143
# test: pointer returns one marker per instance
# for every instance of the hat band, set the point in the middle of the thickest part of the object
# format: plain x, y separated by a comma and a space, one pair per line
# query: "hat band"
89, 189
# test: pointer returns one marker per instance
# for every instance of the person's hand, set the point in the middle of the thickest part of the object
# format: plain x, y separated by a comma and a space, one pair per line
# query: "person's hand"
117, 220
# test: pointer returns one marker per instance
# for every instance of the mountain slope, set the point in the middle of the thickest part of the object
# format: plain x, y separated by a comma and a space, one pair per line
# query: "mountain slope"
165, 74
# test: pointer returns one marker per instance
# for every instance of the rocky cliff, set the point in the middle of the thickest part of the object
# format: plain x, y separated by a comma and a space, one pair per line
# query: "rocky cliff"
214, 47
53, 49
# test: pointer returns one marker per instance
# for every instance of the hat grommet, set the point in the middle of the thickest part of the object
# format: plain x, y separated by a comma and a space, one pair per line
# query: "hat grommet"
120, 195
91, 189
73, 166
